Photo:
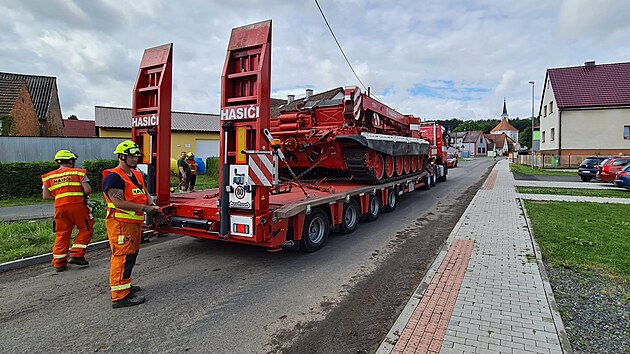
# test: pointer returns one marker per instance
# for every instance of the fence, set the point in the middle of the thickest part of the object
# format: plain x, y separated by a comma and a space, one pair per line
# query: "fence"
23, 149
551, 161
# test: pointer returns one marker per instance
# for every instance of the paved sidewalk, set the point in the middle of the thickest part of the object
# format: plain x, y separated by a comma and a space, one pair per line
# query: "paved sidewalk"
573, 198
487, 291
27, 212
579, 185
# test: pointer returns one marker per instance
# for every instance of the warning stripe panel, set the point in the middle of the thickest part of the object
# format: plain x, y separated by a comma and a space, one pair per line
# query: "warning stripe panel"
261, 169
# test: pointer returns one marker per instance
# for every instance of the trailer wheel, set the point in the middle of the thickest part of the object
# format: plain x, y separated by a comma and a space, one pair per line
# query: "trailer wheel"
443, 178
350, 218
315, 231
376, 206
392, 198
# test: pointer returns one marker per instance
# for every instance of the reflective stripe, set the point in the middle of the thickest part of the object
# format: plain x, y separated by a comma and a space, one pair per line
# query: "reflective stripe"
57, 256
64, 184
69, 194
124, 215
68, 173
77, 245
121, 287
121, 239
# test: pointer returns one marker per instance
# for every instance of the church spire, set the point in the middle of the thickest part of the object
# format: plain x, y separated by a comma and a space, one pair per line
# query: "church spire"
505, 113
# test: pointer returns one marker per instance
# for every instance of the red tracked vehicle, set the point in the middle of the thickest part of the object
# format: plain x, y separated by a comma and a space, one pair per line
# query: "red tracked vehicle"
345, 132
253, 204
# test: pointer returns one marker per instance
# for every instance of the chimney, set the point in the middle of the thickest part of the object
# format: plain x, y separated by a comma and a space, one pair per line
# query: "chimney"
309, 93
290, 98
589, 64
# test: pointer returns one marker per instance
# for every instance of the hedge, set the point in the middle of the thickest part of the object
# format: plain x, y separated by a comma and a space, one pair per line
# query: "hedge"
95, 169
23, 179
212, 166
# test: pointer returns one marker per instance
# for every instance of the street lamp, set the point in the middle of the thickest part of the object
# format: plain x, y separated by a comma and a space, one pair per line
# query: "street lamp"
532, 82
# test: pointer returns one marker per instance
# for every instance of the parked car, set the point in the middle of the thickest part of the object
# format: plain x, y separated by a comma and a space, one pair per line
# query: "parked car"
451, 160
622, 179
588, 168
611, 167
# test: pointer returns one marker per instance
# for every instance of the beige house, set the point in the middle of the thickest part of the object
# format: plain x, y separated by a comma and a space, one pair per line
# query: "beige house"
585, 110
196, 132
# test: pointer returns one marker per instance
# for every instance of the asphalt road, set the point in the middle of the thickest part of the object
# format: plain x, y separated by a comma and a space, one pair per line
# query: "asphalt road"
205, 296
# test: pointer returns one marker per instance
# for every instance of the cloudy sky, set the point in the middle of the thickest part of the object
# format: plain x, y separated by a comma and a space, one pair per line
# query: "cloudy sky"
436, 59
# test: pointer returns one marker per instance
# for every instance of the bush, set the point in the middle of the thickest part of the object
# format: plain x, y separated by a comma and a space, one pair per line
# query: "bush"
23, 179
95, 170
212, 167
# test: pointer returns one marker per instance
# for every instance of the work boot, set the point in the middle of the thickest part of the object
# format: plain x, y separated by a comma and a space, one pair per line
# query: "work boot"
135, 289
60, 269
129, 300
78, 261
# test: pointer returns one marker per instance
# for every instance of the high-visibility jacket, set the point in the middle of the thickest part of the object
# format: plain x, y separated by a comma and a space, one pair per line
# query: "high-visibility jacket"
193, 166
133, 194
65, 185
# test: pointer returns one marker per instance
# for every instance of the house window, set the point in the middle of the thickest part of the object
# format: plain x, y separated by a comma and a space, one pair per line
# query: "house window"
545, 111
626, 132
480, 140
550, 107
478, 150
543, 136
553, 134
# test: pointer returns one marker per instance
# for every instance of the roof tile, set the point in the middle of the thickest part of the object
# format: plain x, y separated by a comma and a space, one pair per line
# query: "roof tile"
599, 86
116, 117
39, 87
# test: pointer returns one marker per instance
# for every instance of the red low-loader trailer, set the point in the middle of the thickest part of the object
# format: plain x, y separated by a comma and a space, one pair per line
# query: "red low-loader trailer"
260, 201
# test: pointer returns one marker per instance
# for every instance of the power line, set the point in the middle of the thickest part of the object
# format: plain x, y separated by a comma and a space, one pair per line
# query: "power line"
339, 45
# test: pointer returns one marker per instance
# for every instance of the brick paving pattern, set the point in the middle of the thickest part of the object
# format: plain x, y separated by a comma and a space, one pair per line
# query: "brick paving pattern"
426, 327
501, 305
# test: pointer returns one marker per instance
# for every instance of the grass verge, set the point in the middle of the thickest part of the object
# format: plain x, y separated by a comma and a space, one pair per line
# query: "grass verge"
23, 201
31, 238
583, 236
606, 193
527, 170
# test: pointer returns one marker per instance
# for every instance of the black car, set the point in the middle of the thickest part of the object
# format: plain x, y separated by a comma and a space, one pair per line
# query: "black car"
588, 167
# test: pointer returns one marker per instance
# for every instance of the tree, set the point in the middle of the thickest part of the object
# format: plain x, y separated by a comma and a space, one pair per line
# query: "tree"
73, 117
7, 125
525, 137
469, 125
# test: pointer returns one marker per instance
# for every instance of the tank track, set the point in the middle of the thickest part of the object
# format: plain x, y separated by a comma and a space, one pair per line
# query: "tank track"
354, 159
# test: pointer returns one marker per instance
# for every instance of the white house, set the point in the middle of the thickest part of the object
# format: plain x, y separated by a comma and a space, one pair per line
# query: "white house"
585, 110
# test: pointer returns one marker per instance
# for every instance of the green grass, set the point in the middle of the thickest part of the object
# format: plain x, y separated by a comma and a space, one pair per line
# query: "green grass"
584, 236
607, 193
205, 181
25, 239
527, 170
23, 201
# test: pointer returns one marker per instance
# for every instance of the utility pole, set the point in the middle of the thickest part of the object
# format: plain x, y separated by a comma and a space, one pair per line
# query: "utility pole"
532, 148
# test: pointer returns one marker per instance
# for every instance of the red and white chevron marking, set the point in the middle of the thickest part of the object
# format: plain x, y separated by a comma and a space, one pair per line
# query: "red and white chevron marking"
354, 93
261, 170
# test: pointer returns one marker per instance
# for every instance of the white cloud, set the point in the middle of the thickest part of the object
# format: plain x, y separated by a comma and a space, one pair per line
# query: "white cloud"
485, 50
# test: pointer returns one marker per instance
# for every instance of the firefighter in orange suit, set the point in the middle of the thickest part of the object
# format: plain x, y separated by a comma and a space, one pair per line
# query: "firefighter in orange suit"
127, 201
69, 188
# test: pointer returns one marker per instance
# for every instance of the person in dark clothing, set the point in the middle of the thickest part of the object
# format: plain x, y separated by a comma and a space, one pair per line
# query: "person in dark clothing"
184, 171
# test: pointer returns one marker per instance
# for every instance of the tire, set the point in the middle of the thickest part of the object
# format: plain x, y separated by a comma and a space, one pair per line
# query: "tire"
350, 217
443, 178
433, 178
427, 183
315, 232
586, 179
374, 211
392, 201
